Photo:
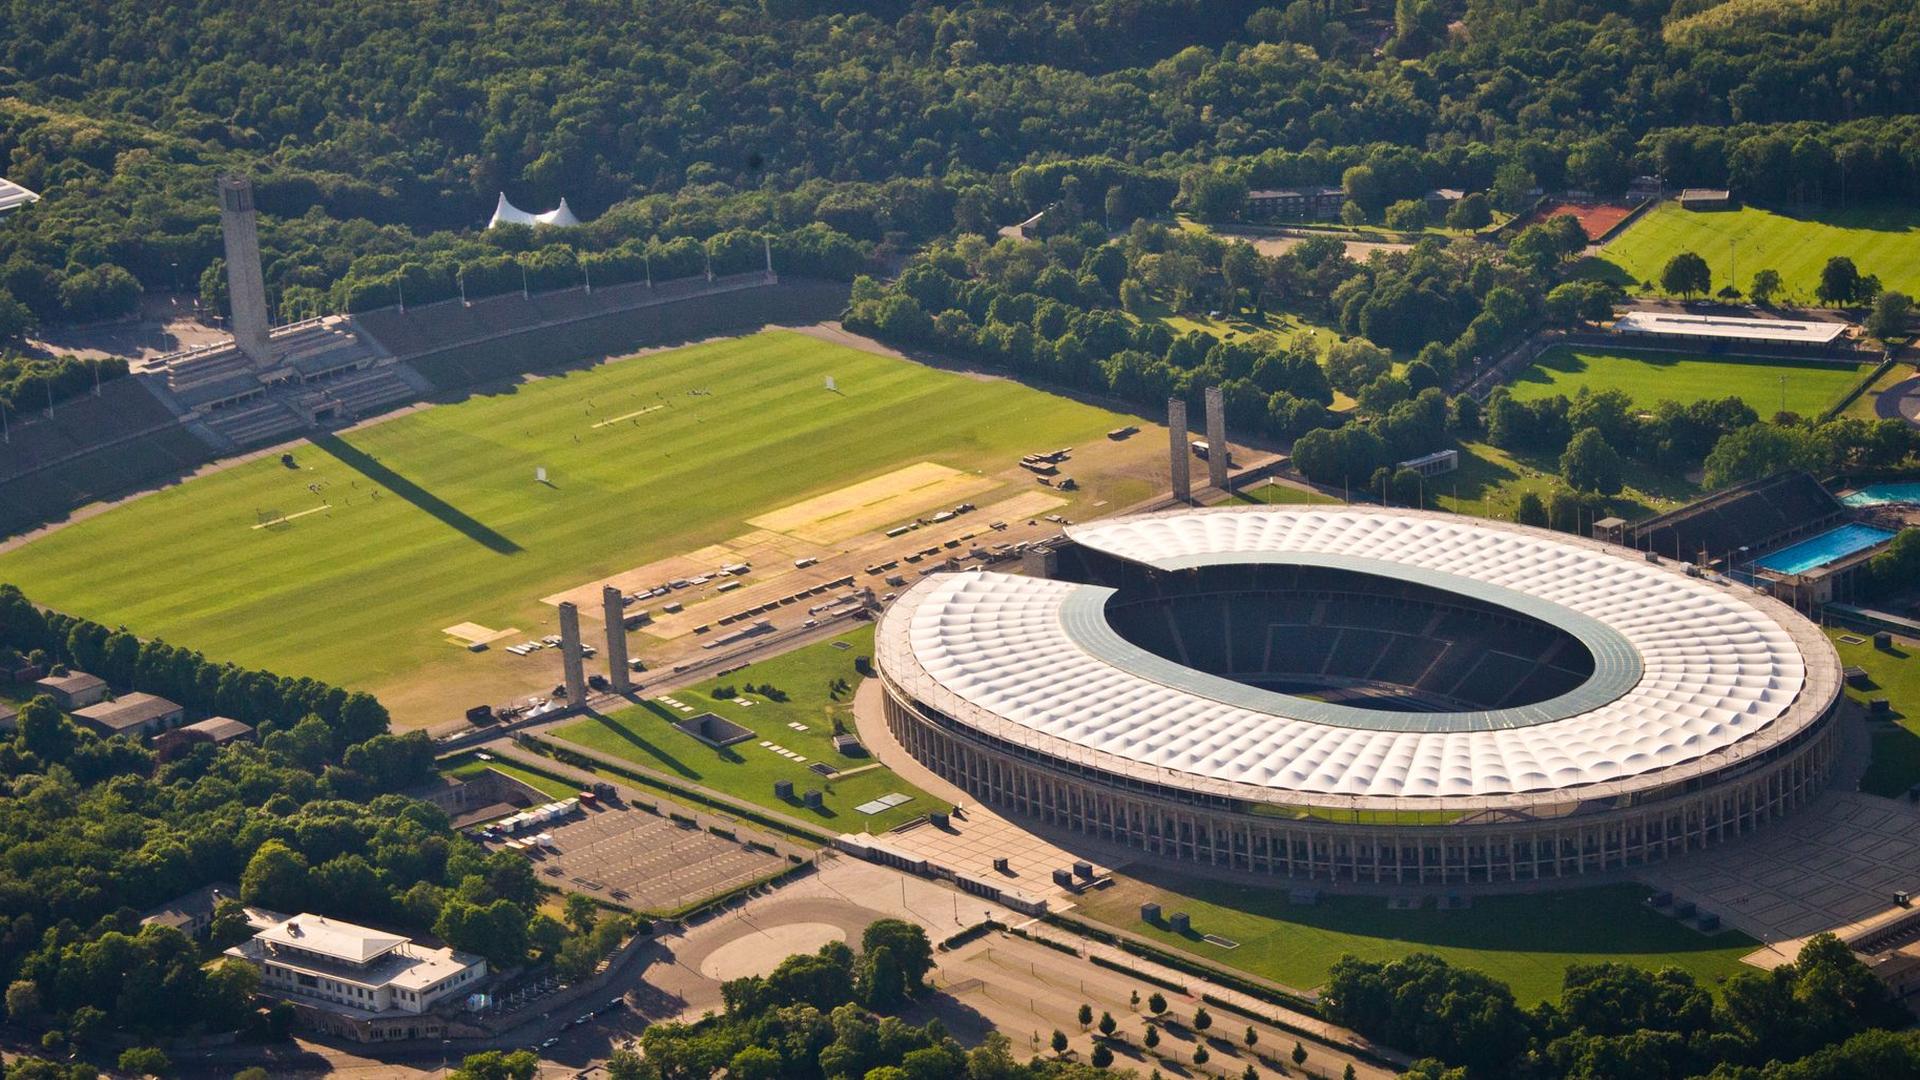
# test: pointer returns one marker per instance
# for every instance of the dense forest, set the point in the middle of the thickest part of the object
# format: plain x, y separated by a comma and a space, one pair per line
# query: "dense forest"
379, 137
93, 831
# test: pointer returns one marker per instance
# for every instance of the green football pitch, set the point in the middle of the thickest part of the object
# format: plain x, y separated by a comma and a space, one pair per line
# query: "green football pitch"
1524, 940
1883, 241
306, 571
1650, 377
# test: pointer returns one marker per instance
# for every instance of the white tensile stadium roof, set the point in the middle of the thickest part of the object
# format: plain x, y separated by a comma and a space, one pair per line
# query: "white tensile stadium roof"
505, 213
1716, 673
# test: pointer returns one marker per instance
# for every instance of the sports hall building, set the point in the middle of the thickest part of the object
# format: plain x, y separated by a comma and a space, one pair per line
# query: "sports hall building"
1358, 694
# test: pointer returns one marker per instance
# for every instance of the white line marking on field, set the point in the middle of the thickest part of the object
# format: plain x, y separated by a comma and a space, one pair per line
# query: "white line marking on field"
629, 416
283, 519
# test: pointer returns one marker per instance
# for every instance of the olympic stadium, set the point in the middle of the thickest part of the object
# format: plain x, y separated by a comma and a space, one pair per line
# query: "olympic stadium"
1365, 695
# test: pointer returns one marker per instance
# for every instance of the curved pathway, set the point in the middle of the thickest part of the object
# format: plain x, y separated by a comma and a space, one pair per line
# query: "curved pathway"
1901, 401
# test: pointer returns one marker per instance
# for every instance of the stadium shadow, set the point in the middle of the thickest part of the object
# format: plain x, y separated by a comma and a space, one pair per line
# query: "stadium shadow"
449, 515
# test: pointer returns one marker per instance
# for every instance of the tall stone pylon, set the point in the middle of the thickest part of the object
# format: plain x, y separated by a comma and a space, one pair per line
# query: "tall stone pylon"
615, 611
246, 287
1216, 438
576, 675
1178, 450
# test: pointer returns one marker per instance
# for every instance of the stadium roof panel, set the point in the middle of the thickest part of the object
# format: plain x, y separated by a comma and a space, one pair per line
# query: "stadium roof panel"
1730, 329
1714, 672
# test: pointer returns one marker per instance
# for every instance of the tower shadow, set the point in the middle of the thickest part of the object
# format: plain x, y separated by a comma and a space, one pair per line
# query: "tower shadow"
420, 497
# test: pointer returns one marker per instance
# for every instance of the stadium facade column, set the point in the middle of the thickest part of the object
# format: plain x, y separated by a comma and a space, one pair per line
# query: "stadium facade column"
246, 287
1216, 438
576, 676
1178, 450
615, 611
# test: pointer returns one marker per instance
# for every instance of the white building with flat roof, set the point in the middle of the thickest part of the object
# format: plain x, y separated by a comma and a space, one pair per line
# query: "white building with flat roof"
357, 973
1725, 328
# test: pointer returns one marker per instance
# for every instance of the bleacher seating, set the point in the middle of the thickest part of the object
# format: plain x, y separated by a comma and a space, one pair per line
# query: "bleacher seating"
1753, 515
1374, 642
432, 327
251, 425
365, 393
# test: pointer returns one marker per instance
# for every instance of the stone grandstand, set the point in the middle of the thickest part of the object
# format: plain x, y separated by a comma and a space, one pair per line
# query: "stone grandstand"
1754, 515
324, 370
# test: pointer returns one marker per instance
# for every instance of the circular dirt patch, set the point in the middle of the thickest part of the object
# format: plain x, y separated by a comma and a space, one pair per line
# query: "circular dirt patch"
761, 951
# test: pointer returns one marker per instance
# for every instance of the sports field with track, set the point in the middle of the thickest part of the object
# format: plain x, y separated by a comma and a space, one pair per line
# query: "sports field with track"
1881, 240
1652, 377
349, 565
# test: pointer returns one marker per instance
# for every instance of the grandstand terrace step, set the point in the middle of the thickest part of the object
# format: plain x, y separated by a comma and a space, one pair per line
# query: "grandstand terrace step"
257, 424
126, 410
370, 391
429, 328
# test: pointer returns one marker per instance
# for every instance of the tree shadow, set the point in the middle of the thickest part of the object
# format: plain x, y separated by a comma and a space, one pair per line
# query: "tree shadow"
371, 468
1600, 268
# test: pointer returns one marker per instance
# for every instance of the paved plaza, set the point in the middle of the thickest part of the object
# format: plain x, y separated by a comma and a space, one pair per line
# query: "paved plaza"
1836, 863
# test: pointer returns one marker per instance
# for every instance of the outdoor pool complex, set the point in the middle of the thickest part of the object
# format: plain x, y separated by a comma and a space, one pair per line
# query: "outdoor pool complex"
1883, 494
1829, 546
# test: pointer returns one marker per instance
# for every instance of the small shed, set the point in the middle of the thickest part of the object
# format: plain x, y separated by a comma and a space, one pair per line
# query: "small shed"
74, 690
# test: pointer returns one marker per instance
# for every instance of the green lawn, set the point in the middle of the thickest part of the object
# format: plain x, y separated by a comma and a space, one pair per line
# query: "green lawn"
469, 764
640, 467
1882, 240
746, 770
1491, 481
1895, 676
1650, 378
1524, 940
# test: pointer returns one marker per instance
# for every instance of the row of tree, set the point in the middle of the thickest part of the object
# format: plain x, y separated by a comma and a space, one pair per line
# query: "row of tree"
1619, 1022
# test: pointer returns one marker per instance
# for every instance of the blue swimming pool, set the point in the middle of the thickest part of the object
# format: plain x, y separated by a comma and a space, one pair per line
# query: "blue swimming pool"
1829, 546
1882, 494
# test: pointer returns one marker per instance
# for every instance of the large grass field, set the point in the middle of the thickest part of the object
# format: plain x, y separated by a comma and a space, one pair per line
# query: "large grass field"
1893, 675
646, 736
647, 457
1882, 240
1525, 940
1651, 377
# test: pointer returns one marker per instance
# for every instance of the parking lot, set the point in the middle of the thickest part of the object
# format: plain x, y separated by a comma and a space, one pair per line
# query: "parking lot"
647, 861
